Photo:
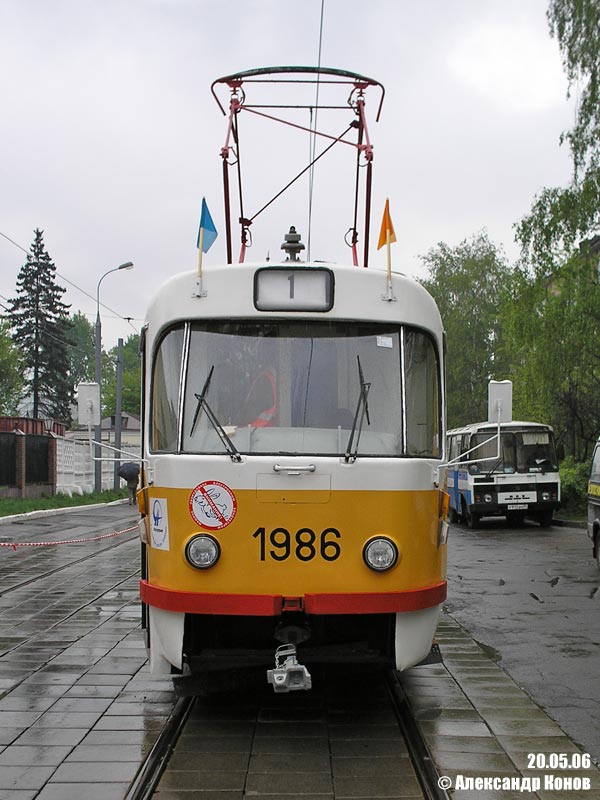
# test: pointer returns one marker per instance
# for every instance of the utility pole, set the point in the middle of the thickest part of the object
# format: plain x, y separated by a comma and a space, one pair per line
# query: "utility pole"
118, 414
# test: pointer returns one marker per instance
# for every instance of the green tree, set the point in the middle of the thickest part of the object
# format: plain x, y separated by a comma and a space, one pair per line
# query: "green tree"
81, 352
468, 282
562, 216
11, 372
41, 328
551, 326
131, 378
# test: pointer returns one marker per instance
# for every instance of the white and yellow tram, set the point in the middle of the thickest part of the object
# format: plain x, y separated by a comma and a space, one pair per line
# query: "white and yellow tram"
293, 435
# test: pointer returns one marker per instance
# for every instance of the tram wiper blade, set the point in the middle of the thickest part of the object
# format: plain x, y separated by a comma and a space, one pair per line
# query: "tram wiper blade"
232, 450
362, 409
201, 398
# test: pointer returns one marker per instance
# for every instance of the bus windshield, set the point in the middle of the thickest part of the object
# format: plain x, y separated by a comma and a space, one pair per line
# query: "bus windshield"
526, 450
293, 387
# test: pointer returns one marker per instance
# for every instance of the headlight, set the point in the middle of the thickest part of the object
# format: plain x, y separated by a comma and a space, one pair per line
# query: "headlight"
488, 498
380, 554
202, 551
545, 495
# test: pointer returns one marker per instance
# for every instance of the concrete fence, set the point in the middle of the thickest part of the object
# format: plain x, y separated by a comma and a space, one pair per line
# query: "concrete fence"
32, 464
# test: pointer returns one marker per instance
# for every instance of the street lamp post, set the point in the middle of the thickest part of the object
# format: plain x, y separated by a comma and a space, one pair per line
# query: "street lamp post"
98, 362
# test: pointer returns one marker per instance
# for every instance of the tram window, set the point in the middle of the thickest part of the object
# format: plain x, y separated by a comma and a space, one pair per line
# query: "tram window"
422, 399
165, 396
295, 387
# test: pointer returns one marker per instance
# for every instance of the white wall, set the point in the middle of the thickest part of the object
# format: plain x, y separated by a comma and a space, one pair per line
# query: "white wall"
75, 467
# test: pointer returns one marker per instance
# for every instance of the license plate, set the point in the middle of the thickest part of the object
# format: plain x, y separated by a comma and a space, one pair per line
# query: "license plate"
518, 507
513, 498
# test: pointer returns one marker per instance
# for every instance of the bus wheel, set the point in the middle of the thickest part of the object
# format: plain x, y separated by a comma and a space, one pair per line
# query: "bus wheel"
545, 519
471, 519
597, 548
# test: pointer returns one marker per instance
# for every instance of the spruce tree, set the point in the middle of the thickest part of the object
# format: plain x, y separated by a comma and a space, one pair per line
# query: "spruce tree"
40, 327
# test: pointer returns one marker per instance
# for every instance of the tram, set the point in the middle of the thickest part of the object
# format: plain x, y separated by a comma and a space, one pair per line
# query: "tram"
293, 429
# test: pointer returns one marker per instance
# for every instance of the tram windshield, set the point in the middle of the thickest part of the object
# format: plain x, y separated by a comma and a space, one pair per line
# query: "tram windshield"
292, 387
529, 450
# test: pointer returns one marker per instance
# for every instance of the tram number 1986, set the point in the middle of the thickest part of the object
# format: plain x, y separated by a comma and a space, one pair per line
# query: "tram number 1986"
279, 544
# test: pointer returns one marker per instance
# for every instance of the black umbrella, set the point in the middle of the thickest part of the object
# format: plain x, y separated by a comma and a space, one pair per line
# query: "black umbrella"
129, 471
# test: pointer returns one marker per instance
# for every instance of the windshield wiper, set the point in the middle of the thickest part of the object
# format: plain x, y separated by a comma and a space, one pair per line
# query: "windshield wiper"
232, 450
362, 408
495, 465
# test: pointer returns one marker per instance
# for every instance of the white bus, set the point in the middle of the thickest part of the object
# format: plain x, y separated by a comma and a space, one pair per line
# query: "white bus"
517, 479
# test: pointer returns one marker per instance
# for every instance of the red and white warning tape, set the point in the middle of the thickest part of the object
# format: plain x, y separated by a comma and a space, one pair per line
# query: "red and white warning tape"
14, 545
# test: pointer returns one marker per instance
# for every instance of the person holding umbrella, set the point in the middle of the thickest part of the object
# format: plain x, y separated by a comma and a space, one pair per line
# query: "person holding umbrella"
130, 473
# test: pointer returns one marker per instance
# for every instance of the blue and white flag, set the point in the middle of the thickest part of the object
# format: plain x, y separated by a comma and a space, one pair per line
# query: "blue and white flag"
206, 230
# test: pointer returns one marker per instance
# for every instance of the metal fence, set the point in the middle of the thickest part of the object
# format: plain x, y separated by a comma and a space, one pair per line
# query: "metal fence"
8, 459
36, 459
74, 471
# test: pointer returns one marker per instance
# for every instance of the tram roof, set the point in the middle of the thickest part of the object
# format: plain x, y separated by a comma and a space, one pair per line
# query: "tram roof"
359, 294
491, 427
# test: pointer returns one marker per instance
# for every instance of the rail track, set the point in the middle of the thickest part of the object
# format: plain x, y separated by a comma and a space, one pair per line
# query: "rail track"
49, 574
353, 731
34, 556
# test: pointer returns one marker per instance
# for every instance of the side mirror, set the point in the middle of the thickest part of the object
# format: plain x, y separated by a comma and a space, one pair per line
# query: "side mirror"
560, 451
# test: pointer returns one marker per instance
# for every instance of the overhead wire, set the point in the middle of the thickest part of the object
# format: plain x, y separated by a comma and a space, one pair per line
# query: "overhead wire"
72, 345
74, 285
54, 336
313, 136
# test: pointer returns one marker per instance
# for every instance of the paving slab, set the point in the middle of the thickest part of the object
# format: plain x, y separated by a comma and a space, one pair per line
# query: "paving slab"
79, 710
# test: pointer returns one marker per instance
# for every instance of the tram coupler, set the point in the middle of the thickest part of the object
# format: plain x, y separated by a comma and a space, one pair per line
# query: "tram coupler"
288, 675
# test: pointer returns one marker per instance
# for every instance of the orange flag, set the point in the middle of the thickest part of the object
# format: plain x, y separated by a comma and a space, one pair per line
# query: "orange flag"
386, 225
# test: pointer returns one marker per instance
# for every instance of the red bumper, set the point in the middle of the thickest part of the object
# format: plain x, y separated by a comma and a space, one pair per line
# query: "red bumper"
272, 605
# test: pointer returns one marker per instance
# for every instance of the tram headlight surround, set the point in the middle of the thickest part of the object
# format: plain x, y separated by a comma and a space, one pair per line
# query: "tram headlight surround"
380, 554
202, 551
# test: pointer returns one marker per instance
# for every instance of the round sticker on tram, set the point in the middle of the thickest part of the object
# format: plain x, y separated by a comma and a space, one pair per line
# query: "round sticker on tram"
212, 505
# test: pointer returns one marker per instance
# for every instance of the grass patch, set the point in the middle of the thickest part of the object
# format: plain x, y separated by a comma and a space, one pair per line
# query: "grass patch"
14, 505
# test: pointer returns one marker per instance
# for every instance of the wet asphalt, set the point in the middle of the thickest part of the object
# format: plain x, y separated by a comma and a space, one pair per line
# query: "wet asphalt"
531, 595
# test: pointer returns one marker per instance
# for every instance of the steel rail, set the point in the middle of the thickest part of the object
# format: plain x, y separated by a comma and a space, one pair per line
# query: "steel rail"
47, 574
148, 775
418, 751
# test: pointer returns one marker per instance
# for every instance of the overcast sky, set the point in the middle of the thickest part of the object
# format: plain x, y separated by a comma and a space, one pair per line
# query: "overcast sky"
110, 136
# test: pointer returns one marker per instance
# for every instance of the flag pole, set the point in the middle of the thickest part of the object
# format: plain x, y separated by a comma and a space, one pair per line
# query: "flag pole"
389, 291
207, 233
200, 245
387, 235
199, 291
388, 238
